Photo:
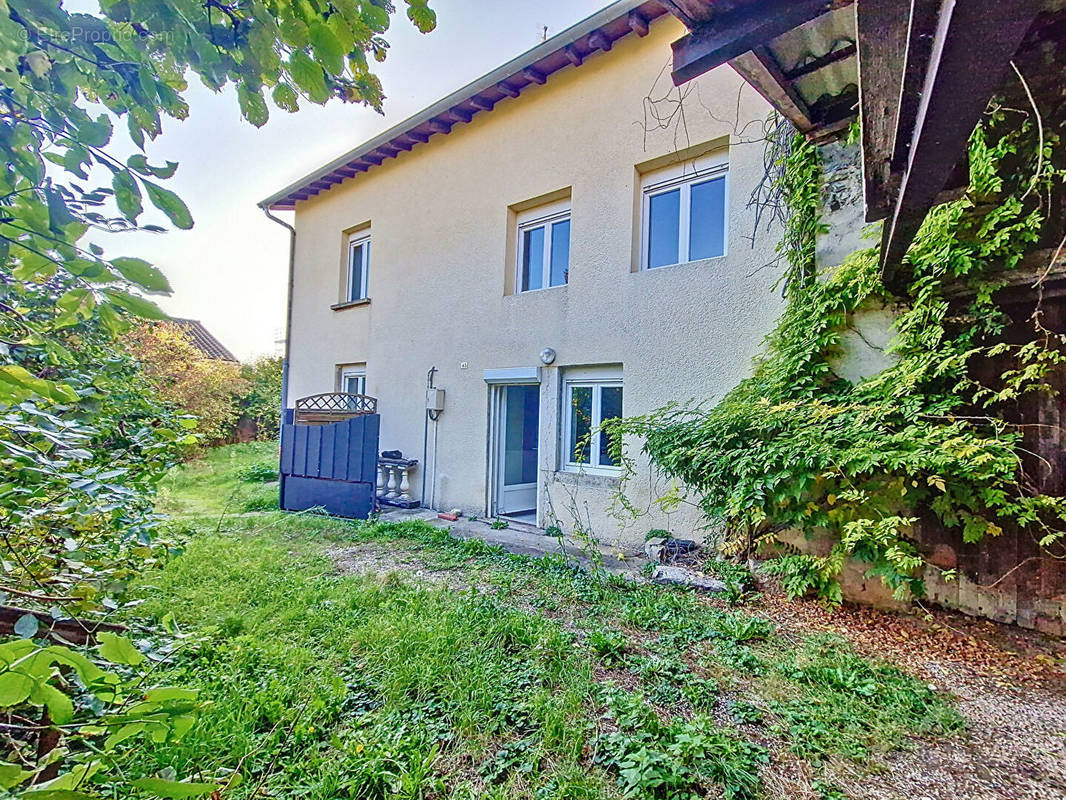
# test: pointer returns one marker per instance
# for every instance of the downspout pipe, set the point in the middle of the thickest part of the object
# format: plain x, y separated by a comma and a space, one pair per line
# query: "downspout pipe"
288, 308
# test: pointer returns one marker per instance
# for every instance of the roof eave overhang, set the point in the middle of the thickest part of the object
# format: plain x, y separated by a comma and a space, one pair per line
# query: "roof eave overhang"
569, 48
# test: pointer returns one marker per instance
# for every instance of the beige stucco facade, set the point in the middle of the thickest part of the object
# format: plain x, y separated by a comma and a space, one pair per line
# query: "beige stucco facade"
441, 286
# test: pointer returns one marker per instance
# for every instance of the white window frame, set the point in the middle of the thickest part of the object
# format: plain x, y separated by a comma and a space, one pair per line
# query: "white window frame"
363, 293
661, 183
543, 216
356, 372
596, 379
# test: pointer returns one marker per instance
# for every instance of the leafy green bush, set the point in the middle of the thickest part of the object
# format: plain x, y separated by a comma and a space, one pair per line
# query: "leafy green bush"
261, 400
744, 628
83, 440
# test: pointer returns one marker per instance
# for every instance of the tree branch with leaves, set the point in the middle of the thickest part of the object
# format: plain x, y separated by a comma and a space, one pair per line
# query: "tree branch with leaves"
84, 438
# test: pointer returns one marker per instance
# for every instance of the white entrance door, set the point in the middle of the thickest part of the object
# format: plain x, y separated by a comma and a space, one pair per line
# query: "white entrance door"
517, 438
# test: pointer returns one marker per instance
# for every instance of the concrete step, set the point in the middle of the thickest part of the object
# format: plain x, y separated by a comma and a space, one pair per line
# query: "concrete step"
524, 539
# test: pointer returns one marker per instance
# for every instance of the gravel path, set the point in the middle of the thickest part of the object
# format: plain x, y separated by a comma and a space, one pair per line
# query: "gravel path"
1015, 750
1009, 685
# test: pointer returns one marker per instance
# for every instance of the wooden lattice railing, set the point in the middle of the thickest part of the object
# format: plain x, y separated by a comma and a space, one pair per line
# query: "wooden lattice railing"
319, 409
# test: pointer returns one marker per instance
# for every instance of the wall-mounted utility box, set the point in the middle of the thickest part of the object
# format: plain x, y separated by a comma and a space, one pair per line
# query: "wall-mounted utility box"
434, 399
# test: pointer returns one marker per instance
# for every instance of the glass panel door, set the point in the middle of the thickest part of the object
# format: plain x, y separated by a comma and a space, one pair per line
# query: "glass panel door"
518, 441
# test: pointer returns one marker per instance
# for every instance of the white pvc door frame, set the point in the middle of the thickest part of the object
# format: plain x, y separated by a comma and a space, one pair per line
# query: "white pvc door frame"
498, 381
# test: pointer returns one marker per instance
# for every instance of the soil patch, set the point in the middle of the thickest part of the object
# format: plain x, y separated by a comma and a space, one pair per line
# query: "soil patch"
376, 559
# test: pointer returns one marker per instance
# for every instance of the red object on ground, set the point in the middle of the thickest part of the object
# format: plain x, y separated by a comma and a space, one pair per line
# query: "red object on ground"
450, 517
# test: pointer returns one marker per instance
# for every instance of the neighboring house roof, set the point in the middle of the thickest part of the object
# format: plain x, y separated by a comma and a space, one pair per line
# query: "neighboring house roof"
203, 340
569, 48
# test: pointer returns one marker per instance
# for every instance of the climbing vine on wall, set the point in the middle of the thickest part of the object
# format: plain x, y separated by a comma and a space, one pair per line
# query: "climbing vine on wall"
798, 448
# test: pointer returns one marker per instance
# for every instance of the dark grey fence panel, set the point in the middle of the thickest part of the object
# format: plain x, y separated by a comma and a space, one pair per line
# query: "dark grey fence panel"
333, 466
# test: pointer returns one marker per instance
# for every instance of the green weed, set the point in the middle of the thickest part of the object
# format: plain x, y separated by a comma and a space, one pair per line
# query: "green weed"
609, 645
259, 472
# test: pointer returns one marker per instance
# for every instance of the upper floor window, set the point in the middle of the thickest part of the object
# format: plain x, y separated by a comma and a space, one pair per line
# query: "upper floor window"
543, 247
590, 398
358, 275
684, 217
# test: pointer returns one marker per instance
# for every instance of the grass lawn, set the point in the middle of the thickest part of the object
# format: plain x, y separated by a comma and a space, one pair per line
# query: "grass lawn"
496, 676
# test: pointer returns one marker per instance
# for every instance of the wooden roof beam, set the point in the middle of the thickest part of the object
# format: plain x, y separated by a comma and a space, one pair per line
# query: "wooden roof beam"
921, 31
508, 89
534, 76
969, 59
572, 55
725, 38
482, 103
600, 40
460, 114
637, 23
815, 64
882, 46
760, 70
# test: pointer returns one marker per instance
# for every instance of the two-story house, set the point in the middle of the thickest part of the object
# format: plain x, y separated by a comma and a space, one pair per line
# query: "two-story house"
565, 240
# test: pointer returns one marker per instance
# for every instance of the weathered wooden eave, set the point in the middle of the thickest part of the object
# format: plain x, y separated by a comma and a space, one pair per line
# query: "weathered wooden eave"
954, 74
927, 70
739, 32
570, 48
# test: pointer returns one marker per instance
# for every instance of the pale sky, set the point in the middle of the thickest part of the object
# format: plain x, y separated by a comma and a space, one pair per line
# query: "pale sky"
230, 270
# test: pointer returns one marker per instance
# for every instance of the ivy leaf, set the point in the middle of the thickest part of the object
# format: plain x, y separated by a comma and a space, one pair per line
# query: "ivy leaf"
162, 694
112, 321
170, 204
127, 195
376, 17
127, 731
119, 650
140, 272
137, 306
59, 215
16, 382
424, 17
94, 133
294, 32
78, 302
54, 794
26, 626
176, 790
60, 707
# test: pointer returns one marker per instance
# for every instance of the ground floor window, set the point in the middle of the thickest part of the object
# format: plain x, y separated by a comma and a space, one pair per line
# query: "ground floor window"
352, 379
590, 398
